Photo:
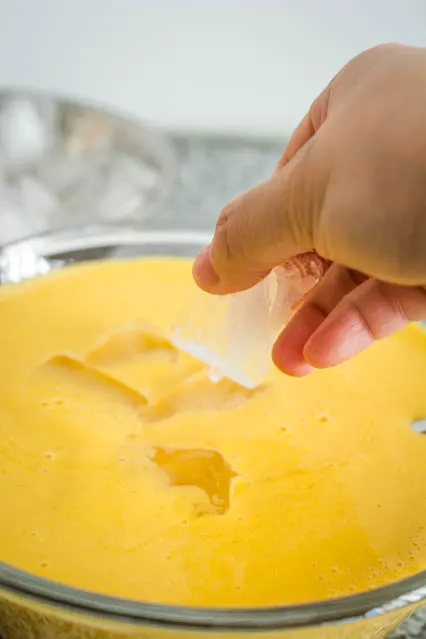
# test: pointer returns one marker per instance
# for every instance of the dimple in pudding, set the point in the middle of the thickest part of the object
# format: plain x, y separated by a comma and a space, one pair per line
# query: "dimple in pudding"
125, 470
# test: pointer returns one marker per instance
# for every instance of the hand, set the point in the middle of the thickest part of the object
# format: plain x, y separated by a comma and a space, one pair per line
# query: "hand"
351, 184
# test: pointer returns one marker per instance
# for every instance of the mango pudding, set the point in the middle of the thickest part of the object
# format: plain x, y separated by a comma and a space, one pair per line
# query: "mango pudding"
125, 470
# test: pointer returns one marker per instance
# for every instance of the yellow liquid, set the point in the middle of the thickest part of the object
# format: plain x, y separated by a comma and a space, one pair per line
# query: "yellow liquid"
125, 470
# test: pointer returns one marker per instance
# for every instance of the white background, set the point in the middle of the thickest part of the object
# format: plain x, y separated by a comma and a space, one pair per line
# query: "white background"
236, 66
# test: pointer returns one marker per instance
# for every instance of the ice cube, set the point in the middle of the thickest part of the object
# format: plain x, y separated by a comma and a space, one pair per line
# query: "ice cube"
234, 334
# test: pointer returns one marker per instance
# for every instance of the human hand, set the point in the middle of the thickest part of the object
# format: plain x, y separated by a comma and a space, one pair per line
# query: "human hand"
351, 184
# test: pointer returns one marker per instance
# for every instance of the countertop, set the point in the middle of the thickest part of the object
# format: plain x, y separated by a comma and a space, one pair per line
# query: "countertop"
211, 172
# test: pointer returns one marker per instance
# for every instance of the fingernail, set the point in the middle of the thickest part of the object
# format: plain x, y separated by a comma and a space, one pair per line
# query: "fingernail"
318, 357
310, 354
203, 269
291, 364
301, 370
311, 360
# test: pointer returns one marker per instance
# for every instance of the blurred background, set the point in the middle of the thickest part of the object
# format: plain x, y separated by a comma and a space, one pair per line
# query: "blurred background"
226, 80
248, 67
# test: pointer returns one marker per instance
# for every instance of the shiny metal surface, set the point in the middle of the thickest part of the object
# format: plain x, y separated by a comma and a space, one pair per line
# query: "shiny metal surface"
66, 163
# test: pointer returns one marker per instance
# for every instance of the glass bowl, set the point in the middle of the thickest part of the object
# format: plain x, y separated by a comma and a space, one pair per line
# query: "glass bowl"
35, 608
62, 161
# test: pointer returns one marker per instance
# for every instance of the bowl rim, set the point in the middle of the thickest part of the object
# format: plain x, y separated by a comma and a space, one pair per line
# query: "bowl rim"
373, 603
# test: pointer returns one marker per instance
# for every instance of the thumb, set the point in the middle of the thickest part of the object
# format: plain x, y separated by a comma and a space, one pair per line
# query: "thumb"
263, 227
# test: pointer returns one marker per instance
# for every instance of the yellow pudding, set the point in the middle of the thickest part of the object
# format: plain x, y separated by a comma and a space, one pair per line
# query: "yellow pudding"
125, 470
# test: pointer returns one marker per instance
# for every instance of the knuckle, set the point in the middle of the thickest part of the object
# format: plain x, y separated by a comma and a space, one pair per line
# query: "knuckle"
361, 318
225, 215
225, 246
319, 108
391, 299
378, 308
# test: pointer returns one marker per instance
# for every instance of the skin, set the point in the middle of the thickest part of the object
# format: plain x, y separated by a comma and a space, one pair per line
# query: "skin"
351, 184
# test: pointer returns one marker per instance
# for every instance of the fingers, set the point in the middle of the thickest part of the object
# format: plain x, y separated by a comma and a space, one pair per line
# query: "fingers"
372, 311
288, 352
262, 228
336, 325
